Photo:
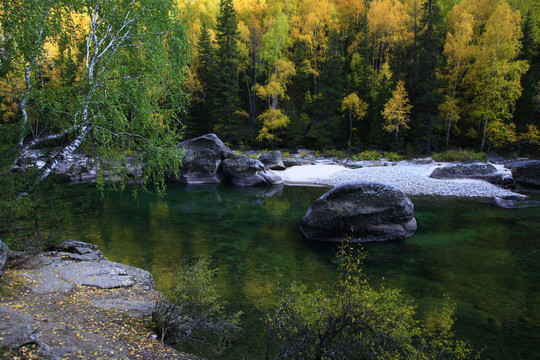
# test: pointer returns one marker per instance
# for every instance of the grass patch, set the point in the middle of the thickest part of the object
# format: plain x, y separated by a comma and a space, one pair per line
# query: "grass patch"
10, 286
460, 155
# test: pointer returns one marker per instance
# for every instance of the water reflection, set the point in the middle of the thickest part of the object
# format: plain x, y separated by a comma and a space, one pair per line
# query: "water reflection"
485, 259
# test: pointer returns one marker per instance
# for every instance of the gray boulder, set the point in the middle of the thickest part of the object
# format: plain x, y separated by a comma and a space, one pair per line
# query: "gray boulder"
4, 250
272, 160
295, 161
527, 173
202, 160
360, 212
472, 170
242, 170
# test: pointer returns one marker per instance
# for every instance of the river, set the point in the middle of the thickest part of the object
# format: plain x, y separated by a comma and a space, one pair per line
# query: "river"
486, 260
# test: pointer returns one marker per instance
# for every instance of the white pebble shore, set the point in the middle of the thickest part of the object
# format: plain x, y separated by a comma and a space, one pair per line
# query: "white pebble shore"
415, 180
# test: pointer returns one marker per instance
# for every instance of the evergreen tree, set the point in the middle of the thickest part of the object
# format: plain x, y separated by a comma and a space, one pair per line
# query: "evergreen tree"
206, 74
526, 111
227, 95
426, 95
331, 89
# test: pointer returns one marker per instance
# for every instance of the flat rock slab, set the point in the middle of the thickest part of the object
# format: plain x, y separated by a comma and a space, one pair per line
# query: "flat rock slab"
96, 274
45, 280
131, 307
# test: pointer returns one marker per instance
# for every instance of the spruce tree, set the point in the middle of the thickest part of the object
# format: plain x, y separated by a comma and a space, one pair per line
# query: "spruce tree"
227, 97
331, 89
426, 96
206, 74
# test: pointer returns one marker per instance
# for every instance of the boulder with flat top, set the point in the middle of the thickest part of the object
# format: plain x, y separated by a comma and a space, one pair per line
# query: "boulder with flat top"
527, 173
471, 170
360, 212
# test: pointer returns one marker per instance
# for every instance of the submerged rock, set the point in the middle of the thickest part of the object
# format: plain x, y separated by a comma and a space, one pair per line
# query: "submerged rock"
473, 170
360, 212
502, 203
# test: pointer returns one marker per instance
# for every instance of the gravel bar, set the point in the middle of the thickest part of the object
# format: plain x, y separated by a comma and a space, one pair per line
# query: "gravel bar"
415, 180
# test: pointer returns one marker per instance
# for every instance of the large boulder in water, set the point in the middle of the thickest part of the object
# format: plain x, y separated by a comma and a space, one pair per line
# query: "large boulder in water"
360, 212
472, 170
527, 173
242, 170
202, 159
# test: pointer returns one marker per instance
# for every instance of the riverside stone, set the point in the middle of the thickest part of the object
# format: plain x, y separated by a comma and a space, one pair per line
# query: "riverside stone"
242, 170
201, 160
360, 212
272, 160
527, 173
474, 170
4, 250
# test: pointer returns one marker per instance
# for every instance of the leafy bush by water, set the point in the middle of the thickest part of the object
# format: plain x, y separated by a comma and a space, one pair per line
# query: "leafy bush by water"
193, 314
460, 155
352, 320
367, 155
392, 156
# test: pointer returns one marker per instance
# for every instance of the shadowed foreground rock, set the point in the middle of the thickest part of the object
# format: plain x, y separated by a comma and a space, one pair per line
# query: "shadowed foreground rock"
75, 304
360, 212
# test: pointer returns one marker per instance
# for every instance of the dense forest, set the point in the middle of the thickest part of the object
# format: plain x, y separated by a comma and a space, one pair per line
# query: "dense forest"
413, 75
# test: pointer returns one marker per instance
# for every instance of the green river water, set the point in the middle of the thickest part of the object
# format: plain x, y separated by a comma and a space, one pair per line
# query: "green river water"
486, 260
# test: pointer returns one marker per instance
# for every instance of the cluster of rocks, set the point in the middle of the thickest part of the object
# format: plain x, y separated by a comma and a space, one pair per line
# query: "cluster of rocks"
74, 168
207, 160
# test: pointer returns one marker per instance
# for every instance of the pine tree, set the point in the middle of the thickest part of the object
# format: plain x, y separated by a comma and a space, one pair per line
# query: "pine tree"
427, 98
206, 74
331, 89
227, 97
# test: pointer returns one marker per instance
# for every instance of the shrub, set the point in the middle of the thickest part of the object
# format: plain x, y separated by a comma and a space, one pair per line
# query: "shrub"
367, 155
352, 320
392, 156
460, 155
193, 314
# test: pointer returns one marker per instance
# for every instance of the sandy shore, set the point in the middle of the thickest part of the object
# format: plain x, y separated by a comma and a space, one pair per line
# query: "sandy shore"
413, 179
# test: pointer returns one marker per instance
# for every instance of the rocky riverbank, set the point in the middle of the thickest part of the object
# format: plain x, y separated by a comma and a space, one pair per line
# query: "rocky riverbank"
72, 303
414, 179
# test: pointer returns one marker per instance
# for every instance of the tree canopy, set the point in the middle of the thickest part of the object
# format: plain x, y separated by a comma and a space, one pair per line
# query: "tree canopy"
439, 49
